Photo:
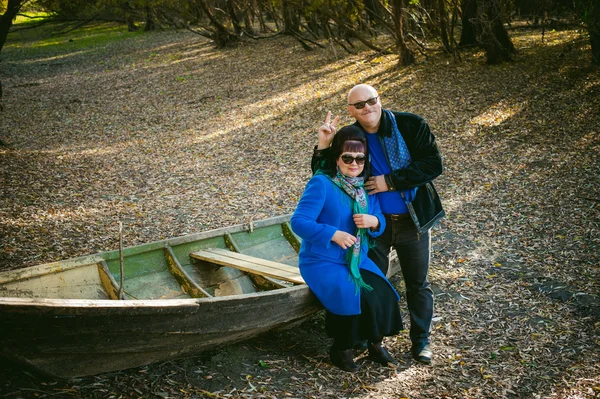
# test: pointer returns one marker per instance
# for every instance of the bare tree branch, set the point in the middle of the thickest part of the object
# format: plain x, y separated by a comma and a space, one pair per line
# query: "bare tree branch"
364, 41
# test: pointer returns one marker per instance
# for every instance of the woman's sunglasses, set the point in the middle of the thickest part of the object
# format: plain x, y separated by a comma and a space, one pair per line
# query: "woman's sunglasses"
348, 159
361, 104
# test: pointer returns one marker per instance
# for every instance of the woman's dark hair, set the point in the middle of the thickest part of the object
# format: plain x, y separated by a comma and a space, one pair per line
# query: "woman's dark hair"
350, 138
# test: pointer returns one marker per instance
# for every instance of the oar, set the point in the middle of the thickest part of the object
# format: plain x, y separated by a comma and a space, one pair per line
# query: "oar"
121, 296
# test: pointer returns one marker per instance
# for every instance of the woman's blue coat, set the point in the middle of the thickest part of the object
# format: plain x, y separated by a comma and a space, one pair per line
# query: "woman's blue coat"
323, 209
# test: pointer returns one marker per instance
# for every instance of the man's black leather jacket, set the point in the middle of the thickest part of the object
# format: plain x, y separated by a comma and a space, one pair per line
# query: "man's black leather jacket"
426, 209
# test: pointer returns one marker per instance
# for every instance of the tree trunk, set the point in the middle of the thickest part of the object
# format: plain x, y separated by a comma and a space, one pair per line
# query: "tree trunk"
589, 12
501, 35
131, 26
237, 28
493, 37
260, 11
291, 19
374, 12
467, 35
127, 9
444, 26
591, 16
406, 56
150, 24
6, 19
222, 37
249, 18
595, 39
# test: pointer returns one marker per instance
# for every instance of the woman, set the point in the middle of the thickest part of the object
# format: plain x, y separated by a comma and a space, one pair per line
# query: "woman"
335, 219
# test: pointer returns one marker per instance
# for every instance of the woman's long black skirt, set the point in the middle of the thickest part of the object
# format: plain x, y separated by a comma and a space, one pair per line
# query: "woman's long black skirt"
380, 316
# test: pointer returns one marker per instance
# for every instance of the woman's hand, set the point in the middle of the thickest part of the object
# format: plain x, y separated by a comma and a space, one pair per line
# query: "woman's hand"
365, 221
376, 184
326, 131
343, 239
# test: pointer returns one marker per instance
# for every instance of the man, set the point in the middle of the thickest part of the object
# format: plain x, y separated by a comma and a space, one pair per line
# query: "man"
404, 160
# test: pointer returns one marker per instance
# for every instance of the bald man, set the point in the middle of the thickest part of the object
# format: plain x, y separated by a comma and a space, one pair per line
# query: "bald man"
404, 160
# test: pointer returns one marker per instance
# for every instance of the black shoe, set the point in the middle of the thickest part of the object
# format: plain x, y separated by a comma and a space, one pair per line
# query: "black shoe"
360, 347
344, 359
424, 356
379, 354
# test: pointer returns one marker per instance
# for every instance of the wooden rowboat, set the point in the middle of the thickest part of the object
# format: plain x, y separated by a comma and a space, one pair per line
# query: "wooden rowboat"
181, 296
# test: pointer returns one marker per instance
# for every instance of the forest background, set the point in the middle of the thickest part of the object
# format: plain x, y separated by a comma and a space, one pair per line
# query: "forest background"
176, 117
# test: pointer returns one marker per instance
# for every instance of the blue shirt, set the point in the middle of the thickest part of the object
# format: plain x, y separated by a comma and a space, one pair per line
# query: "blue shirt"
389, 201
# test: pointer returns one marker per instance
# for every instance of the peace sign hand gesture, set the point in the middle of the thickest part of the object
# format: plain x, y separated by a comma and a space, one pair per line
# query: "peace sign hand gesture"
326, 131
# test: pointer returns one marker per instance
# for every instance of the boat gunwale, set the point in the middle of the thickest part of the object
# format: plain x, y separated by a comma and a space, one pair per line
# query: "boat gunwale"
16, 275
138, 303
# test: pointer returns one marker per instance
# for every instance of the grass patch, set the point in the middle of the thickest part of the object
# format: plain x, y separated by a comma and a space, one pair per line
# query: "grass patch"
59, 39
30, 18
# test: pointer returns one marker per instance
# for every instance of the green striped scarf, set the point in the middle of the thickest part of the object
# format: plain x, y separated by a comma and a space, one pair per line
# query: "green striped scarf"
353, 186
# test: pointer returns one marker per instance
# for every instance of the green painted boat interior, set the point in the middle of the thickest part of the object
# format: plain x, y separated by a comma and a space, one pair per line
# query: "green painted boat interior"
151, 273
267, 243
147, 276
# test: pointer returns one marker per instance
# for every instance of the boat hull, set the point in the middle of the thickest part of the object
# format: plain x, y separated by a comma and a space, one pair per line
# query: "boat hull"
72, 338
66, 318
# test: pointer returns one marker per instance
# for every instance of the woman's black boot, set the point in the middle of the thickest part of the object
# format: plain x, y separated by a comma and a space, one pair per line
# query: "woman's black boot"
343, 358
379, 354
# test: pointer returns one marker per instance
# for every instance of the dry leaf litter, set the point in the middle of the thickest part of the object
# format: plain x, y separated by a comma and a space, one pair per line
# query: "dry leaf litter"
172, 137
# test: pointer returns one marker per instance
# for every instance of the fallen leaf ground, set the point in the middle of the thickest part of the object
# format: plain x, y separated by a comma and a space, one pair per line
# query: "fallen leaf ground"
171, 136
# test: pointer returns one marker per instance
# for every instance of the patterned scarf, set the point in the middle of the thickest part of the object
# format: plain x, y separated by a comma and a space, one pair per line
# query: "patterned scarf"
353, 186
395, 145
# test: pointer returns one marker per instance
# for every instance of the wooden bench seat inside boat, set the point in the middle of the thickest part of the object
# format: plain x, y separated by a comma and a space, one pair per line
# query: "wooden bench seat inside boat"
249, 264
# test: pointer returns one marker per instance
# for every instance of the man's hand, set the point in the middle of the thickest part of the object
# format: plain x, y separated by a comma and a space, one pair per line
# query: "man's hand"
326, 131
365, 221
343, 239
376, 184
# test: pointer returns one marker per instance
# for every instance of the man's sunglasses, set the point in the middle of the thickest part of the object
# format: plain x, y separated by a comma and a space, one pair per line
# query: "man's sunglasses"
348, 159
361, 104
